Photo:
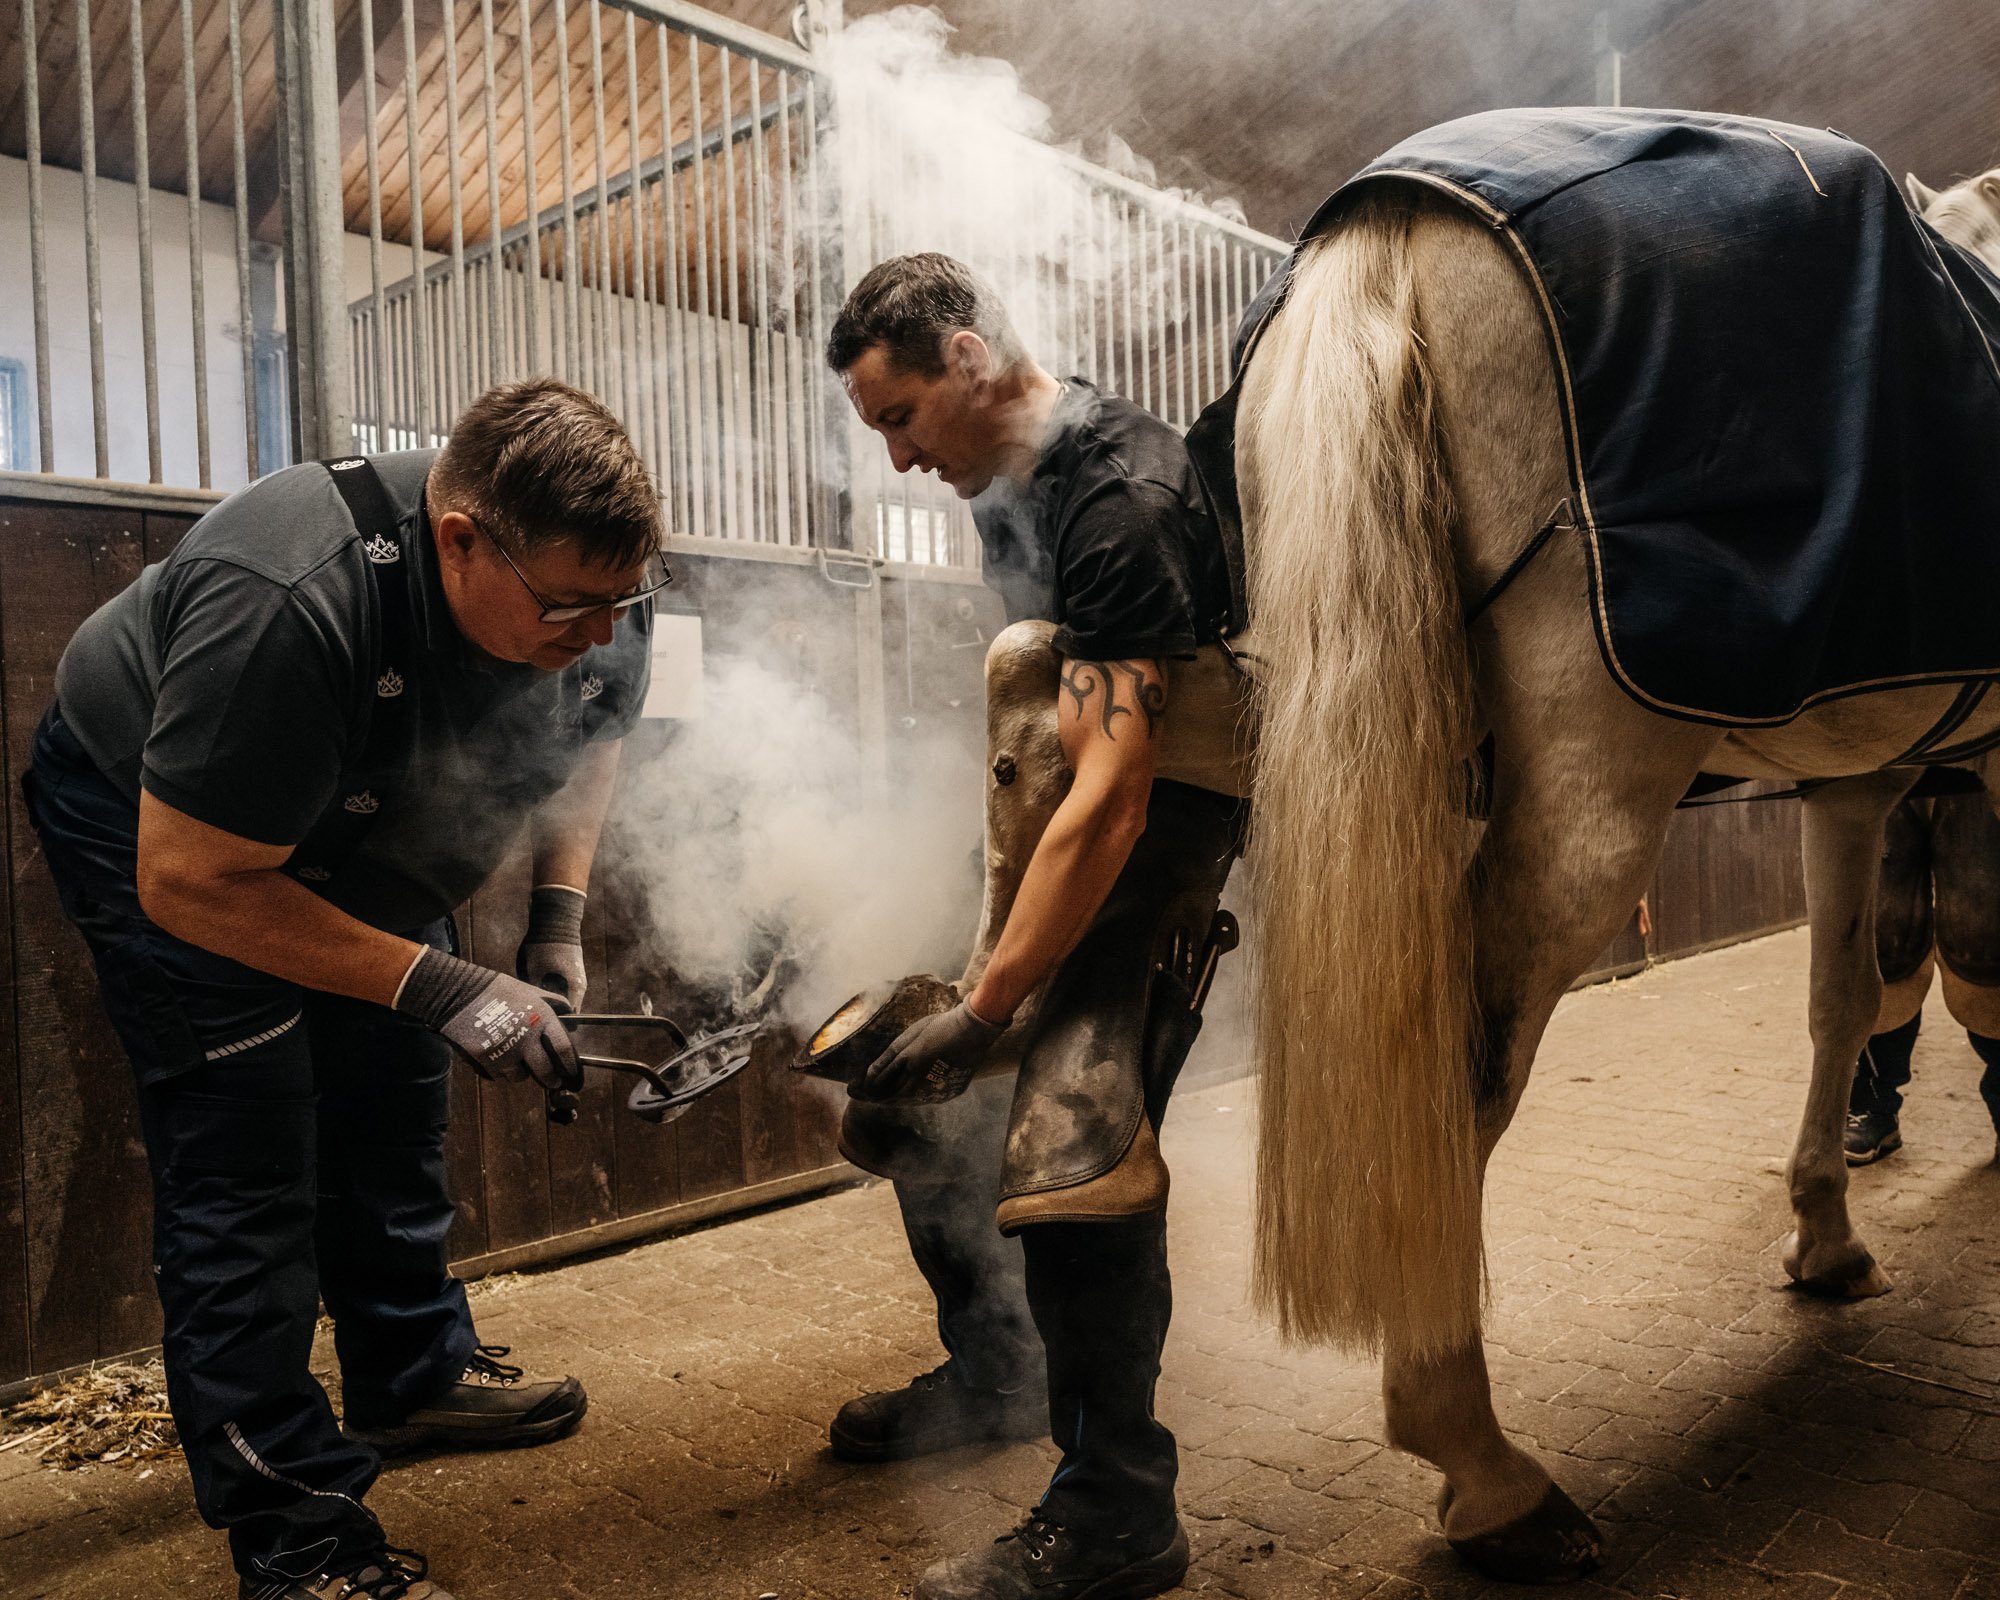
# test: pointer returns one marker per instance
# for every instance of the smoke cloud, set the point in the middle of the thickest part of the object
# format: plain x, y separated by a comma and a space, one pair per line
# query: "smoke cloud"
774, 882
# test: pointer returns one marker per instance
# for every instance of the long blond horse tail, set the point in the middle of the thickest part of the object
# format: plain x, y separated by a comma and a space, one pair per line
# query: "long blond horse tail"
1368, 1170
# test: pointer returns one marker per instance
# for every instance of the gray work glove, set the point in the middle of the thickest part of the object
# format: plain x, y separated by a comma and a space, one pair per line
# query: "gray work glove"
551, 955
931, 1060
507, 1029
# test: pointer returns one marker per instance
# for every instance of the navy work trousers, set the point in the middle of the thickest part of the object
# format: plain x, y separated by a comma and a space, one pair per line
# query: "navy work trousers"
296, 1141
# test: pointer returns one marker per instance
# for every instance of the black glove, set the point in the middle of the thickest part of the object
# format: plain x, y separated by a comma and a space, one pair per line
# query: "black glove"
507, 1029
551, 955
931, 1060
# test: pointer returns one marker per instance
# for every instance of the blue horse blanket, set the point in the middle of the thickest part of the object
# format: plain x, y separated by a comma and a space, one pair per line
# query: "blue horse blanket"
1783, 399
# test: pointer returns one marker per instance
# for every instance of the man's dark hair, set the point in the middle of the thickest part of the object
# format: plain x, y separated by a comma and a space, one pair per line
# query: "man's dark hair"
538, 463
911, 306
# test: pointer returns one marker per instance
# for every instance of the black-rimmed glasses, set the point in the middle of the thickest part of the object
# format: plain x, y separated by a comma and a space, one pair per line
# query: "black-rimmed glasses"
657, 578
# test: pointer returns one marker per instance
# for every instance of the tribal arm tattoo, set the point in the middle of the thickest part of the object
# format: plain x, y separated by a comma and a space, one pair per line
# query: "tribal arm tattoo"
1083, 681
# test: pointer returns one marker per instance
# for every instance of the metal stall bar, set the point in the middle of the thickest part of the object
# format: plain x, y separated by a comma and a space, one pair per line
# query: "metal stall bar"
246, 320
797, 399
730, 266
378, 323
763, 413
420, 399
93, 269
142, 193
497, 365
646, 331
531, 342
197, 266
674, 287
708, 465
572, 368
38, 259
461, 369
608, 346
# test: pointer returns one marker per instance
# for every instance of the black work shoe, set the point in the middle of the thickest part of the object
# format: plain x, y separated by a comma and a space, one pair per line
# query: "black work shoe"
385, 1574
1042, 1560
1870, 1136
936, 1411
491, 1407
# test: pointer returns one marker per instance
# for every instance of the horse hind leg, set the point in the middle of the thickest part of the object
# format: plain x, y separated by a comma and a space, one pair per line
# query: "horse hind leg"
1571, 847
1842, 828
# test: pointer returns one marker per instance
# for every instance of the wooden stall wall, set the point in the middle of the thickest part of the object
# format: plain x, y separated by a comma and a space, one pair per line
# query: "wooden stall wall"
75, 1211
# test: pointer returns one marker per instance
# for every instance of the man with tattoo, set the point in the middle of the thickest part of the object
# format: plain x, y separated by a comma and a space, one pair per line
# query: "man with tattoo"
1091, 521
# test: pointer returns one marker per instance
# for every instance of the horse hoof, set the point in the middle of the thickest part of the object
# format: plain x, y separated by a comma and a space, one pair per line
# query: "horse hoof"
1554, 1543
1858, 1280
1850, 1274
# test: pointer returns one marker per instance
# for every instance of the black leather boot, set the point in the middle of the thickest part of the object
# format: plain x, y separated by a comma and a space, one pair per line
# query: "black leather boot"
1042, 1560
936, 1411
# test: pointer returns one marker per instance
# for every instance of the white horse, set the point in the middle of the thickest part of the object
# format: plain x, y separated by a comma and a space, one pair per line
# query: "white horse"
1398, 432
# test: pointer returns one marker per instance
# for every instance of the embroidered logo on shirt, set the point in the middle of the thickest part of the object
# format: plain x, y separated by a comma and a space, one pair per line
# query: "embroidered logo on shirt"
593, 686
383, 550
389, 685
363, 804
314, 874
346, 466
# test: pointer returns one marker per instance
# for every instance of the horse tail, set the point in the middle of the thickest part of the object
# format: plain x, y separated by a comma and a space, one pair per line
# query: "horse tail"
1368, 1177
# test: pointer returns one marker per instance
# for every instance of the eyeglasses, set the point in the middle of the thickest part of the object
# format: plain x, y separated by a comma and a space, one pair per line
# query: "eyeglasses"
657, 578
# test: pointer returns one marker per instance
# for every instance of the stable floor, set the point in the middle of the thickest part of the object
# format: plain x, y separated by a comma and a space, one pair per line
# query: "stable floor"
1642, 1342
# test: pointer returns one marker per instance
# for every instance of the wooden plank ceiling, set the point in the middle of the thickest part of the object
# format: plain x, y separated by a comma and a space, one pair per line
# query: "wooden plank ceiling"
627, 137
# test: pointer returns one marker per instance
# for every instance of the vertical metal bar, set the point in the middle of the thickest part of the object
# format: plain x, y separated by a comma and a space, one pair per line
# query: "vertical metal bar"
823, 206
532, 263
673, 291
38, 263
1086, 235
459, 329
796, 393
572, 345
246, 321
705, 420
601, 271
412, 125
316, 344
764, 453
1123, 224
142, 190
498, 364
197, 267
646, 335
733, 275
92, 265
378, 302
1183, 320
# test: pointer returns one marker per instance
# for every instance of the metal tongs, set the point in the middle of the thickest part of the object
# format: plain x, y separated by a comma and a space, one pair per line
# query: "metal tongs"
669, 1085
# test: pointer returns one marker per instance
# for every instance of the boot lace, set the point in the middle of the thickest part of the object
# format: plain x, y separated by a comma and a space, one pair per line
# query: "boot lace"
1037, 1534
486, 1367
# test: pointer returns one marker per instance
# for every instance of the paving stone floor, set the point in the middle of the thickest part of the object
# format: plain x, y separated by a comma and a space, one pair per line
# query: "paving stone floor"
1642, 1342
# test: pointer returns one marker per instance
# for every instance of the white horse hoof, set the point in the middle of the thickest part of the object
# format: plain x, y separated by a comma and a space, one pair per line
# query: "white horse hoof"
1847, 1272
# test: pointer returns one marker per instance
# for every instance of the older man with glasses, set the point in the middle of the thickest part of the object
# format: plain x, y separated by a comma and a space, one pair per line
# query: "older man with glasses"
273, 766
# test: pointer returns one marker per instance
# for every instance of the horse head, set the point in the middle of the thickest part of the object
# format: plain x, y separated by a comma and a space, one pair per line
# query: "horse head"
1968, 213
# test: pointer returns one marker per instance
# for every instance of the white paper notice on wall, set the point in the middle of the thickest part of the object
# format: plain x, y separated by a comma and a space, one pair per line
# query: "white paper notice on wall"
676, 687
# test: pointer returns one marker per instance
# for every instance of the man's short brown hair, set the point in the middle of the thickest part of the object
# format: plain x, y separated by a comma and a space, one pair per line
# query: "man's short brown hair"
538, 463
911, 306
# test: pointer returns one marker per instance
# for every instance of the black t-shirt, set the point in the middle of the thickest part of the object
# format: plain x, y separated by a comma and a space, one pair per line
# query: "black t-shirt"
236, 681
1111, 539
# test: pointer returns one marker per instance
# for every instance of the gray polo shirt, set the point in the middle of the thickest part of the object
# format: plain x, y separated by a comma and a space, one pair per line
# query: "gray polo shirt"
236, 681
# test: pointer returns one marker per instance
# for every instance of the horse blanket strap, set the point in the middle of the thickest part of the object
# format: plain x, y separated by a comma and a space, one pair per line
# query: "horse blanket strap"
1558, 518
1783, 391
369, 783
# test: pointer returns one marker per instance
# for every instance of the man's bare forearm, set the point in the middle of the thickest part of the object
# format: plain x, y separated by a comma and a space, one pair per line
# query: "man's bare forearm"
267, 921
1084, 848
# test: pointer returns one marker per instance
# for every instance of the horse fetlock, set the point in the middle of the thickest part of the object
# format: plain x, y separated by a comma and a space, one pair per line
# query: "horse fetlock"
1842, 1268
